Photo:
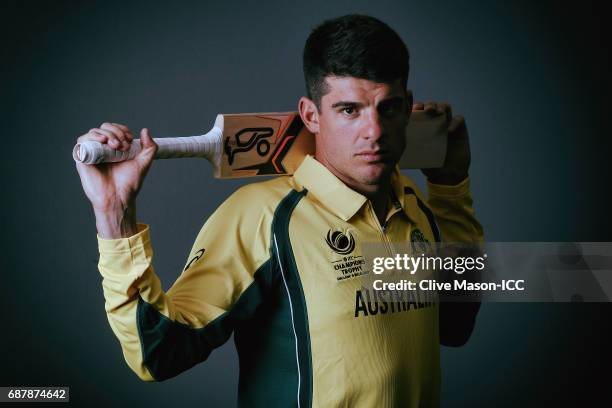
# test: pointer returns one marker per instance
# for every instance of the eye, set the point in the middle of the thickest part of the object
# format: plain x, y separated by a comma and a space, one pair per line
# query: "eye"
390, 109
348, 110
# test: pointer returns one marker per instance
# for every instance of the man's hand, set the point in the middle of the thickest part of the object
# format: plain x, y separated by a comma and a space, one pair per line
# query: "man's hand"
112, 187
457, 161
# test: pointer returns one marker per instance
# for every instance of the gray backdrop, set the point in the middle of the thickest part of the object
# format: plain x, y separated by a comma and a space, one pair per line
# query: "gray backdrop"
530, 79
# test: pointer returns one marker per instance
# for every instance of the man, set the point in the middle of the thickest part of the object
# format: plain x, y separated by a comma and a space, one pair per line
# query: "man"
269, 265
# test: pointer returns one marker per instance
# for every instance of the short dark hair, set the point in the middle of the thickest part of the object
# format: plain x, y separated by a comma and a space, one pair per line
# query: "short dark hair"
353, 45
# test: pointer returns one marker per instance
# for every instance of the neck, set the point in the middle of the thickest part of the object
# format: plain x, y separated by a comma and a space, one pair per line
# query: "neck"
379, 199
378, 194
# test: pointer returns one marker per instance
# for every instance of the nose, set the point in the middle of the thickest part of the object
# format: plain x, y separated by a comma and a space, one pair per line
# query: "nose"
373, 127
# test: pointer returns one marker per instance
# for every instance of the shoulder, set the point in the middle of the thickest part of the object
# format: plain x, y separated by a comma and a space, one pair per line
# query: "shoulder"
259, 197
247, 214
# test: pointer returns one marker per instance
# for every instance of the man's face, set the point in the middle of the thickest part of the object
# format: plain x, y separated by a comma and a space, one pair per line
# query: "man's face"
361, 130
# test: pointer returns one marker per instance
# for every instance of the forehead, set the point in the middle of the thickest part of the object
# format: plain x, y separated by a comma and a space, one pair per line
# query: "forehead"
358, 89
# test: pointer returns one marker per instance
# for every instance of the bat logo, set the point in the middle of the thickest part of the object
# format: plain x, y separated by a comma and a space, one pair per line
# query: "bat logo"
283, 143
257, 139
341, 243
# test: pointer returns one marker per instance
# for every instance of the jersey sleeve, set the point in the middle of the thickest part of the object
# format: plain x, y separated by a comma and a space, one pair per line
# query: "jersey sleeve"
454, 212
164, 333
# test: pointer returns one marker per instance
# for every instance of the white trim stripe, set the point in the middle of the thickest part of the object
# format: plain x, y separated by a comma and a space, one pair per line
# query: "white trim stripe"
280, 264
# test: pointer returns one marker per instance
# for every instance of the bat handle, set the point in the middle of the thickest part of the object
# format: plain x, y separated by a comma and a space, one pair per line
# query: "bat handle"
207, 146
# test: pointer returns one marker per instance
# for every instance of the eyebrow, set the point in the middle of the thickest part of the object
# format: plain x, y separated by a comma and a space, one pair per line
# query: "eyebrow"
394, 99
346, 103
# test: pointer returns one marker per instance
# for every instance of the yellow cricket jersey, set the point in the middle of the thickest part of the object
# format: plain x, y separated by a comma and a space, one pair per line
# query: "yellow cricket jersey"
278, 265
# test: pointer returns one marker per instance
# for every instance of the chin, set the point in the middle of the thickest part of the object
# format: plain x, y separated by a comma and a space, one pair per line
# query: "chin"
375, 173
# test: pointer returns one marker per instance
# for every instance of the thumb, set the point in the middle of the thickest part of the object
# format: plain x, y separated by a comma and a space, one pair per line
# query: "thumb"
149, 147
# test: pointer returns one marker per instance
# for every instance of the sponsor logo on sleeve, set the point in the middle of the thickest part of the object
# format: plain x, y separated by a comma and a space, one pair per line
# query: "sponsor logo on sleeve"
197, 256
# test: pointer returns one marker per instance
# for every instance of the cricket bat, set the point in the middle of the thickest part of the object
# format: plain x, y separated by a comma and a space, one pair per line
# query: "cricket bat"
269, 144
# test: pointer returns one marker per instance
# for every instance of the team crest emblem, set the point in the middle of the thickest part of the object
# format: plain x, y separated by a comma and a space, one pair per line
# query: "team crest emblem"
420, 244
350, 264
340, 242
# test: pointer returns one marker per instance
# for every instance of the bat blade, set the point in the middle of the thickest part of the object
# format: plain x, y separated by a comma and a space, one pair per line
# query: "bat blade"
426, 141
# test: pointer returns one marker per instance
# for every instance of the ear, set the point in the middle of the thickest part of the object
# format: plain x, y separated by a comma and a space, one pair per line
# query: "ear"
409, 103
309, 114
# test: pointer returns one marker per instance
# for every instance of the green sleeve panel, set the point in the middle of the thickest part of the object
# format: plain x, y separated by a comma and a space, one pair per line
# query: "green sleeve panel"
170, 347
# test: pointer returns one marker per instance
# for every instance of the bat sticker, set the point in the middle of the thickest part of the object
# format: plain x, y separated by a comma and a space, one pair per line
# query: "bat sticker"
257, 139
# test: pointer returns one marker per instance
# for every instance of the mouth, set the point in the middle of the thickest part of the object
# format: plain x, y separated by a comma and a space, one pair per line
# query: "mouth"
373, 156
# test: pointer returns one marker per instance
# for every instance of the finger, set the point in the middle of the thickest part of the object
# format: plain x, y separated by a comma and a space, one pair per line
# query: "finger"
92, 136
111, 140
456, 123
442, 107
122, 132
449, 111
118, 132
114, 141
430, 107
120, 126
125, 129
